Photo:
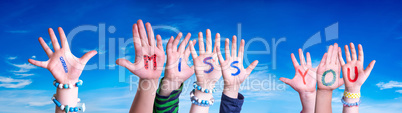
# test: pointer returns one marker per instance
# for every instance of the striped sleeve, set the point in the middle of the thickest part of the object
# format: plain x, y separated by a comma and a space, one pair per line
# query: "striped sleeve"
167, 104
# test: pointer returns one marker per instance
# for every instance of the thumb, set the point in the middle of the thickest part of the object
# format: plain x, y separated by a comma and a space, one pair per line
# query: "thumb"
85, 58
285, 80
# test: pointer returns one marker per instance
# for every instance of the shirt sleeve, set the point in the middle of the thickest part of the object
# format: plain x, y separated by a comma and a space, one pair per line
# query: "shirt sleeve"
167, 104
231, 105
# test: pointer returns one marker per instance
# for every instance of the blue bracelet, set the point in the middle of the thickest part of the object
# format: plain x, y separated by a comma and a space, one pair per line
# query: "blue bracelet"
350, 104
66, 86
196, 101
66, 108
196, 86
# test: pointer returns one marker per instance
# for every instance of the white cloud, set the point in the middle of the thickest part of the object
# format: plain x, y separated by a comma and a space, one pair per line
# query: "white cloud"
390, 84
24, 74
41, 103
12, 58
23, 67
13, 83
33, 57
399, 91
99, 51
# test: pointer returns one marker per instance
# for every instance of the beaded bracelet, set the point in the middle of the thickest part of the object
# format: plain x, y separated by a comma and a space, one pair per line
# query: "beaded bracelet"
350, 104
196, 101
351, 95
66, 86
196, 86
66, 108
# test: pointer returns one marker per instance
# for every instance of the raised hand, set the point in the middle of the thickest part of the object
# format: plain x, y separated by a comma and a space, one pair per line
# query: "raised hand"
304, 80
207, 68
353, 71
64, 66
233, 70
149, 58
328, 72
177, 68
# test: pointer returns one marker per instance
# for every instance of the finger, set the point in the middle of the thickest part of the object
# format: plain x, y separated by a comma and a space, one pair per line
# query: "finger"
308, 59
169, 45
227, 50
187, 51
347, 54
323, 61
369, 68
176, 41
285, 80
63, 39
209, 42
48, 51
251, 67
301, 57
328, 61
192, 50
361, 54
38, 63
334, 55
241, 51
183, 43
85, 58
221, 60
340, 57
353, 49
125, 63
294, 60
142, 33
53, 38
201, 43
136, 36
150, 31
217, 42
234, 46
159, 42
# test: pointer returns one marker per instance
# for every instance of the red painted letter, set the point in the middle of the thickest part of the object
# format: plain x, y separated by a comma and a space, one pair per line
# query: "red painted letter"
356, 75
303, 75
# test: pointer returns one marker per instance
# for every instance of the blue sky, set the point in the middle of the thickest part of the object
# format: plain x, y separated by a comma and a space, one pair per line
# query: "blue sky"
375, 25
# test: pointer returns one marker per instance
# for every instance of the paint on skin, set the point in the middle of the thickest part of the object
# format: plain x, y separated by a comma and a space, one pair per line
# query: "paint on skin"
179, 65
64, 64
323, 78
303, 75
149, 58
212, 67
356, 75
233, 65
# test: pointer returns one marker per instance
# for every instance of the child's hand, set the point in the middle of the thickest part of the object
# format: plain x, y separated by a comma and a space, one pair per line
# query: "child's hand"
328, 72
232, 68
207, 68
354, 74
177, 69
64, 66
304, 80
149, 58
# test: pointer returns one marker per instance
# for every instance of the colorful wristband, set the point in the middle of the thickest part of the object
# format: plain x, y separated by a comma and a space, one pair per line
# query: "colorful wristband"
66, 108
196, 86
66, 86
351, 95
350, 104
204, 103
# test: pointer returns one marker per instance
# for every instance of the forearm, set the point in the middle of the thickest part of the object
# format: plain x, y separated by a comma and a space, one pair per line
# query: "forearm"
231, 91
351, 109
323, 101
308, 101
169, 85
66, 97
145, 96
202, 96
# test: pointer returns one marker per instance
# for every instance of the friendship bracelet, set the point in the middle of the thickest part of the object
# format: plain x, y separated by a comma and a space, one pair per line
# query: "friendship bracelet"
66, 86
196, 86
196, 101
351, 95
323, 78
350, 104
67, 109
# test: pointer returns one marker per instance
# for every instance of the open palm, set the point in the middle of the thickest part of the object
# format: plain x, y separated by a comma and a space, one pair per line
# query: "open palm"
305, 76
177, 68
206, 74
70, 70
353, 71
231, 75
149, 58
329, 66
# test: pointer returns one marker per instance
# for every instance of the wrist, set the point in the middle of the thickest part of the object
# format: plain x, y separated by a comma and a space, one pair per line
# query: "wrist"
67, 97
231, 91
308, 101
147, 84
167, 86
353, 90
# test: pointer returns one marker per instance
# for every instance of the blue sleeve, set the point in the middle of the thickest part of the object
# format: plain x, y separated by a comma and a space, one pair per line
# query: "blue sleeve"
231, 105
